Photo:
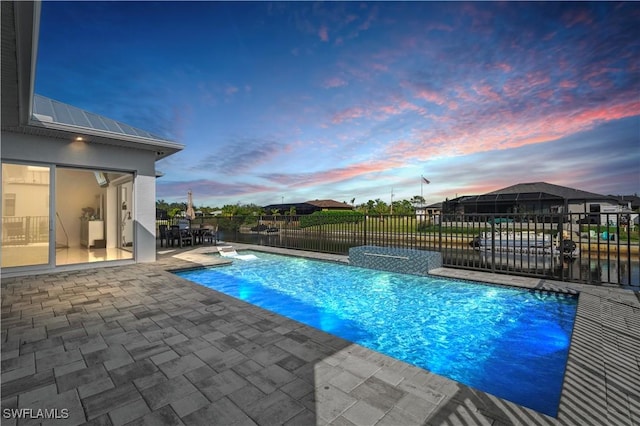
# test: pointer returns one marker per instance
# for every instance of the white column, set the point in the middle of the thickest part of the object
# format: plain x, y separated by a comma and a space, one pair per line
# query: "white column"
144, 195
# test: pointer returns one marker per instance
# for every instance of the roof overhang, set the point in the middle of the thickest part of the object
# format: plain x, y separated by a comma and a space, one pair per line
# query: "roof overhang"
20, 26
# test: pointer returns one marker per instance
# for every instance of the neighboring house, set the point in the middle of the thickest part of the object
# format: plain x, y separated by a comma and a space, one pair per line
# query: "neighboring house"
308, 207
77, 187
631, 202
431, 212
533, 198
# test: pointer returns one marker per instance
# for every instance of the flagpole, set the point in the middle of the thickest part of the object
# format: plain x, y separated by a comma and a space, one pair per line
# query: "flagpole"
391, 212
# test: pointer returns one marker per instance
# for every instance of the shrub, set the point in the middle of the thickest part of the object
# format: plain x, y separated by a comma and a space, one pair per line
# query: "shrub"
330, 217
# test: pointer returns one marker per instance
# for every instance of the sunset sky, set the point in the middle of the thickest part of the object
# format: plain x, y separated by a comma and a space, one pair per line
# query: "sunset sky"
346, 100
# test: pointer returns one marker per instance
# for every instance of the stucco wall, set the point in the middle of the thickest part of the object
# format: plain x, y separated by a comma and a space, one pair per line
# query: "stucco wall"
31, 148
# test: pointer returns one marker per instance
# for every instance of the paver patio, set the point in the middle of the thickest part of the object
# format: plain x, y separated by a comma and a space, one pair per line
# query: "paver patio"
138, 345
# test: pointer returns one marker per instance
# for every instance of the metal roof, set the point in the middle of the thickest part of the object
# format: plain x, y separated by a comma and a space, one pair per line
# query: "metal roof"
47, 110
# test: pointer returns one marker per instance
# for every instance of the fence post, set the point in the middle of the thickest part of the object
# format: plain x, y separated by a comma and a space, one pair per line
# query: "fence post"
440, 222
493, 244
560, 230
364, 239
628, 227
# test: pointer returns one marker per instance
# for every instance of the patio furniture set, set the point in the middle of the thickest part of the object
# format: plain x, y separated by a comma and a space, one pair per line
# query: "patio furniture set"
187, 234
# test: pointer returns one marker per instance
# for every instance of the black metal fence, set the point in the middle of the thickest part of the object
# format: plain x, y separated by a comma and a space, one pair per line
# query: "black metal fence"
576, 247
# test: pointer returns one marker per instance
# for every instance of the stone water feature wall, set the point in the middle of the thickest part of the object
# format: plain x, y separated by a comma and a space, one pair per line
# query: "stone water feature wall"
405, 261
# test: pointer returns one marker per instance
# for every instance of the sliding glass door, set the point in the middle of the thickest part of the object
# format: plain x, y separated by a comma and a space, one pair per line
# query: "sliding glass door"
93, 216
26, 218
57, 216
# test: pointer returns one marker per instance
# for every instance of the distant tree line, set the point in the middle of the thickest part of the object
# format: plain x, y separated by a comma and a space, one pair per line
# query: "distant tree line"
371, 207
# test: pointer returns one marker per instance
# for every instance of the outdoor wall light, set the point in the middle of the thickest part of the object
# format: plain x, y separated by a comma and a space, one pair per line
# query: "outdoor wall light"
78, 143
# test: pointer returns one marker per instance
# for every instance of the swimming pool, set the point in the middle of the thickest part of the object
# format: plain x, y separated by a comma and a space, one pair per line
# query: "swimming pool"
509, 342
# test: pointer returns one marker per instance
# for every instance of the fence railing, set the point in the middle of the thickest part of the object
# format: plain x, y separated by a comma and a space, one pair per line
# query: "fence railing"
576, 247
25, 229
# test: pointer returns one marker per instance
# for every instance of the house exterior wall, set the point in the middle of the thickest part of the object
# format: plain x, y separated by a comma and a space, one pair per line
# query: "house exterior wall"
33, 205
22, 147
43, 150
585, 207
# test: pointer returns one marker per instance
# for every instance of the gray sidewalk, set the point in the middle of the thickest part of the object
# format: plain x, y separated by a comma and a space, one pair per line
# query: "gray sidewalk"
138, 345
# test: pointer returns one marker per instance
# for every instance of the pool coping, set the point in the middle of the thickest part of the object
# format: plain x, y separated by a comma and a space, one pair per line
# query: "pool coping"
611, 396
117, 318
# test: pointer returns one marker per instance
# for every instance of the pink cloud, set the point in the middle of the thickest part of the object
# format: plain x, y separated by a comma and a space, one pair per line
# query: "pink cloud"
323, 33
215, 188
299, 180
505, 130
380, 67
373, 12
431, 96
399, 107
546, 94
334, 82
350, 18
348, 114
566, 84
439, 26
504, 67
574, 17
521, 85
378, 112
486, 91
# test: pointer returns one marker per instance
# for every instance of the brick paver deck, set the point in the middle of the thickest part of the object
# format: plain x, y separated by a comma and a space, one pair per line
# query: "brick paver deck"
138, 345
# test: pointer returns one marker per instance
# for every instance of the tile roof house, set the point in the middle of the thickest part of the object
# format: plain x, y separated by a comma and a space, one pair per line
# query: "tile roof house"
77, 187
308, 207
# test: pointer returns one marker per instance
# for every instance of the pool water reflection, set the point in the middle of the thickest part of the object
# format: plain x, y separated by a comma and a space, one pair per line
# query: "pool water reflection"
510, 342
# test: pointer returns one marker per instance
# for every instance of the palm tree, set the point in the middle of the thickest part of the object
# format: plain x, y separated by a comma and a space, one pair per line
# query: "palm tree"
417, 200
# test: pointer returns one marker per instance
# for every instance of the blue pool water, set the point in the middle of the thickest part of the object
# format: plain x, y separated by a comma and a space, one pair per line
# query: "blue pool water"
509, 342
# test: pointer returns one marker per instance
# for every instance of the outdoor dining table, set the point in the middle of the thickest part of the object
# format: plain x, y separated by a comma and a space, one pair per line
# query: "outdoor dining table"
199, 234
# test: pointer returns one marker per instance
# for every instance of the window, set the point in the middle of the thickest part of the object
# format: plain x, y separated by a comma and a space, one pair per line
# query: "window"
9, 206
